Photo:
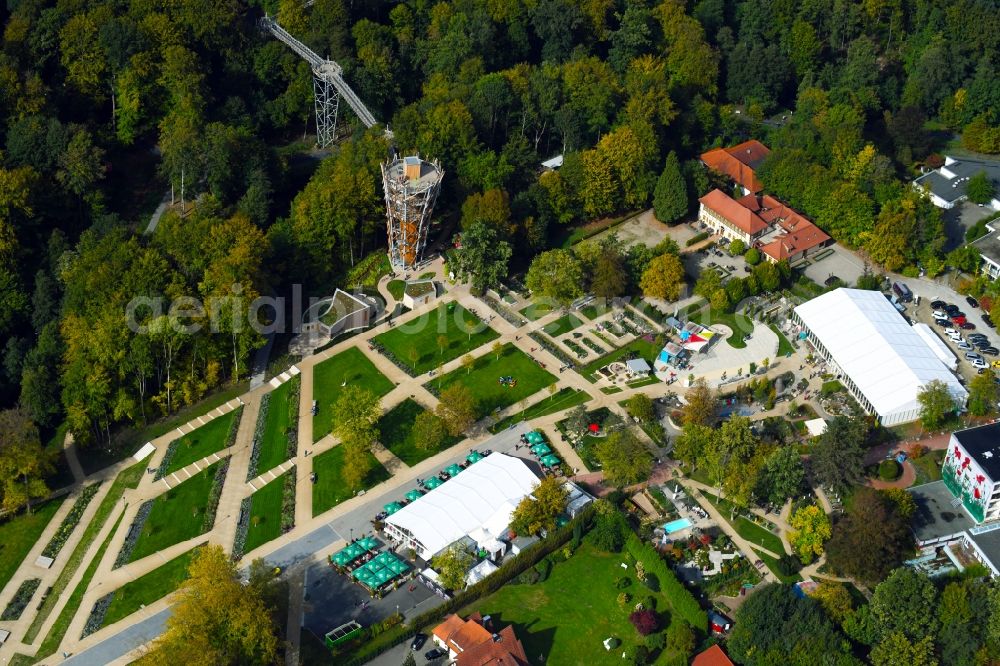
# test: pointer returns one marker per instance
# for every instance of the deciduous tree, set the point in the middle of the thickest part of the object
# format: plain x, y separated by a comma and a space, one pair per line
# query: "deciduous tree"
452, 566
663, 278
838, 456
624, 459
810, 530
701, 404
539, 510
870, 540
217, 619
983, 395
23, 462
429, 431
936, 403
457, 408
556, 275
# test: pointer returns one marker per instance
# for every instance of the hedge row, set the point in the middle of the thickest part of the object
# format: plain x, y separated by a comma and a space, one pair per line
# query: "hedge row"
96, 618
161, 471
528, 558
21, 598
214, 494
294, 391
288, 501
697, 238
258, 435
242, 525
681, 600
125, 555
512, 317
70, 522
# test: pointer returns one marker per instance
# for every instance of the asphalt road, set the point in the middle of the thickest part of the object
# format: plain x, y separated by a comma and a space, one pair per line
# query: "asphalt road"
123, 642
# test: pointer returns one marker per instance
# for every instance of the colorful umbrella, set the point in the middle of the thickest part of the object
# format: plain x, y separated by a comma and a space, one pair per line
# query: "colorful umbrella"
432, 483
535, 437
413, 495
541, 449
367, 543
474, 457
550, 461
392, 507
453, 470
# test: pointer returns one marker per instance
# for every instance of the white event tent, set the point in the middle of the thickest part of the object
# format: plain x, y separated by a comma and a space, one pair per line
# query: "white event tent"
885, 362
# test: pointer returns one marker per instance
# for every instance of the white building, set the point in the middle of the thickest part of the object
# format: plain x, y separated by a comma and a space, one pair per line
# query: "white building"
971, 470
478, 503
989, 250
946, 186
882, 360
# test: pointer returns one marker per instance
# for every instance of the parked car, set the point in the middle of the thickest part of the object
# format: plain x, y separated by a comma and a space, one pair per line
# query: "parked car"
418, 642
902, 291
973, 303
964, 345
991, 351
433, 654
980, 363
988, 321
958, 321
996, 364
978, 336
967, 326
972, 356
936, 305
942, 322
951, 332
939, 314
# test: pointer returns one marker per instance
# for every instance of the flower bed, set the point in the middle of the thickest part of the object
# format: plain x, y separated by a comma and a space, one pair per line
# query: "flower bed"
512, 317
70, 522
593, 345
576, 349
288, 502
21, 598
133, 534
241, 528
96, 619
161, 471
547, 344
213, 497
258, 436
294, 390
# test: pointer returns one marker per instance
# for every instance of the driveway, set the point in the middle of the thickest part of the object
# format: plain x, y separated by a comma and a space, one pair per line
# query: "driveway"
842, 263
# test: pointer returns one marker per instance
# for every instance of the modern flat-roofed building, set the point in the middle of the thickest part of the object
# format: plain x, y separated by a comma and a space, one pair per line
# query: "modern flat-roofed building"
971, 470
988, 247
881, 360
946, 186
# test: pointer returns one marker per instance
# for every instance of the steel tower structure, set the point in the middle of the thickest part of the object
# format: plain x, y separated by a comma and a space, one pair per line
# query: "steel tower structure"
328, 86
411, 187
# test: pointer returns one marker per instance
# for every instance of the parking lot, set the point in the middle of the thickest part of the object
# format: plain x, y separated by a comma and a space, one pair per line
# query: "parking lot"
924, 313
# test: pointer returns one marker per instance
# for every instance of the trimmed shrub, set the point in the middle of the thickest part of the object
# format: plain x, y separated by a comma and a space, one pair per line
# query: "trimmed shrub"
258, 435
213, 496
683, 602
242, 526
70, 522
544, 568
697, 238
889, 470
133, 534
21, 598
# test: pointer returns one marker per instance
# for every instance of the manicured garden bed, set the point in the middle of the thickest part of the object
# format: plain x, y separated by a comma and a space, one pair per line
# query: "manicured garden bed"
177, 515
564, 399
19, 533
564, 324
210, 438
750, 531
784, 346
280, 427
350, 366
638, 348
396, 427
436, 337
484, 379
536, 311
71, 520
265, 514
148, 588
330, 488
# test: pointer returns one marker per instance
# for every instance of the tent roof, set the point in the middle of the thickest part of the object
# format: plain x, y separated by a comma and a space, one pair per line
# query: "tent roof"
470, 500
887, 360
479, 572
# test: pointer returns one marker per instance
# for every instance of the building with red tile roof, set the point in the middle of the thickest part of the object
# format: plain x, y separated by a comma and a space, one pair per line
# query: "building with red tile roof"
780, 232
470, 643
713, 656
739, 163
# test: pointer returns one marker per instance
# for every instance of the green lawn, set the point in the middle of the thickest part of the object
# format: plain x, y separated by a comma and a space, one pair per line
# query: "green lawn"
330, 489
265, 514
752, 532
928, 466
396, 427
640, 346
784, 346
558, 624
350, 366
563, 399
148, 588
484, 379
592, 311
19, 534
62, 622
274, 442
772, 564
416, 343
127, 478
536, 311
396, 288
177, 514
204, 441
564, 324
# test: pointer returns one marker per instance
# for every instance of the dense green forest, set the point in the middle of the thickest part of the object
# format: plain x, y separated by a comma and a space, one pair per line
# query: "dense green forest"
106, 104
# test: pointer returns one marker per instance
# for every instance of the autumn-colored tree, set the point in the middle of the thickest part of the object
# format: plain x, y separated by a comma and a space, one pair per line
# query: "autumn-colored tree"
492, 208
701, 404
555, 275
624, 459
357, 464
217, 619
539, 510
835, 599
355, 415
457, 408
468, 362
452, 566
810, 530
663, 278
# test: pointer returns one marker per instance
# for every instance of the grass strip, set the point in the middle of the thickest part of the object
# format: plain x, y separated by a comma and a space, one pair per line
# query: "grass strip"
20, 533
127, 478
61, 625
